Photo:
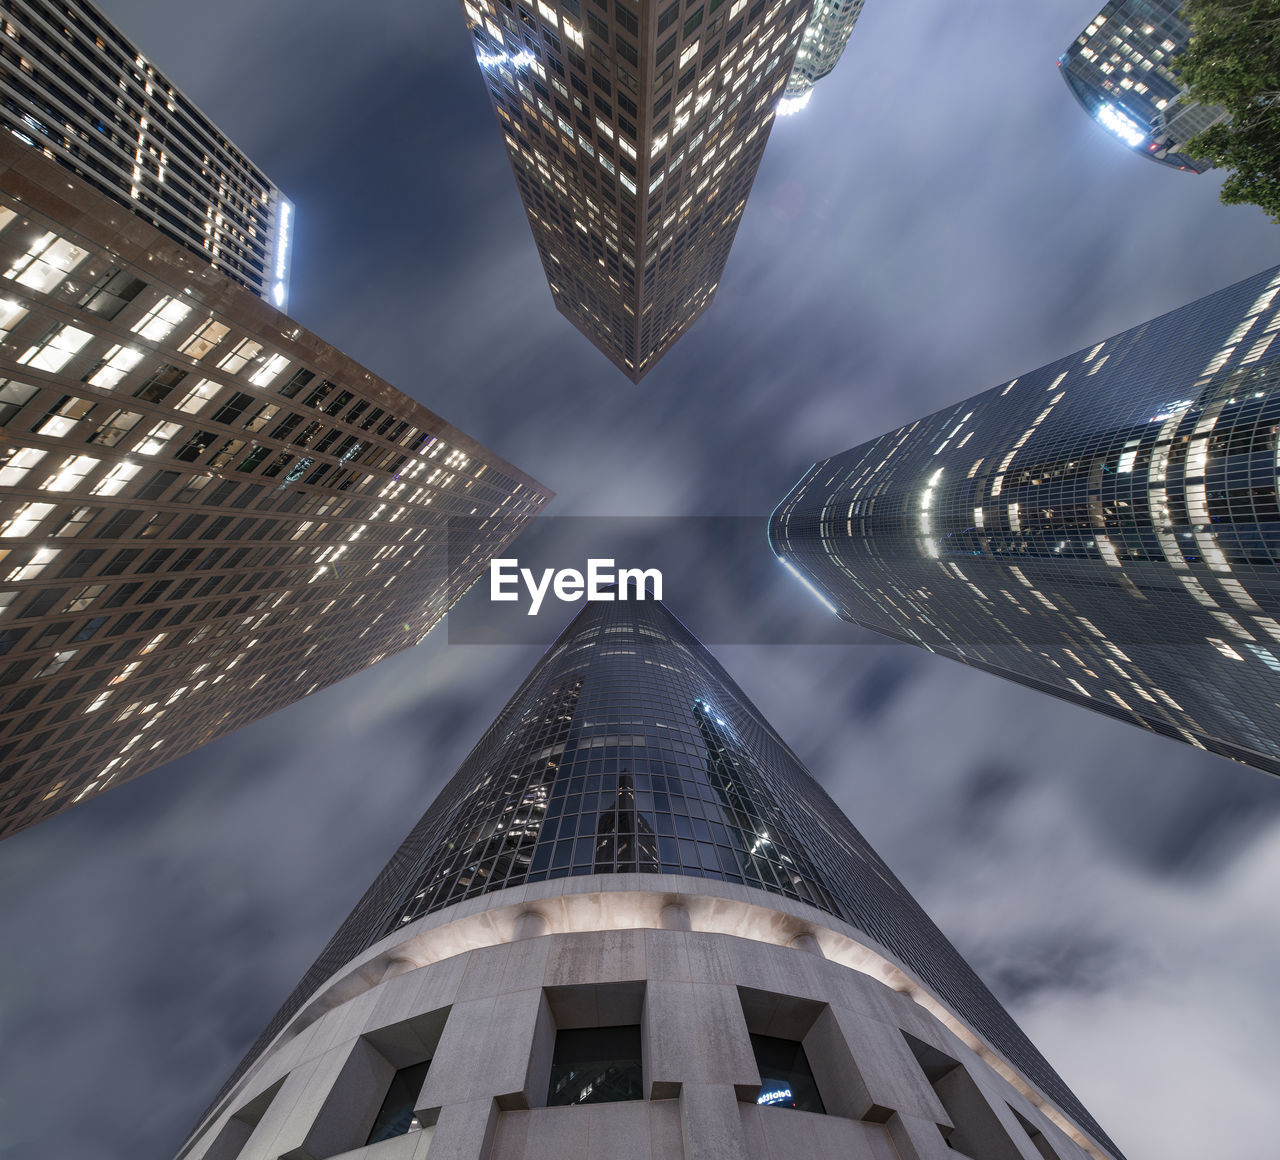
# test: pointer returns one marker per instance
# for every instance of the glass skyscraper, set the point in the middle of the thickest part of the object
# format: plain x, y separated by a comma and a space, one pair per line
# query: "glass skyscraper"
633, 895
635, 130
1120, 70
207, 512
825, 38
1104, 528
75, 88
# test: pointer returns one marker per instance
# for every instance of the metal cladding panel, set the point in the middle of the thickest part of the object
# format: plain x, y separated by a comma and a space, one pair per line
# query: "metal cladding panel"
630, 750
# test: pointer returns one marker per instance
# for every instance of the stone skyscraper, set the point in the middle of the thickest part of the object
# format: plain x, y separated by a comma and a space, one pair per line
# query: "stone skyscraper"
207, 511
1104, 528
633, 926
635, 128
1120, 70
73, 86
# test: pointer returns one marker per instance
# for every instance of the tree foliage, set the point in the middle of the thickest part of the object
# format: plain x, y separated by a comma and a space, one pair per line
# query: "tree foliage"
1234, 61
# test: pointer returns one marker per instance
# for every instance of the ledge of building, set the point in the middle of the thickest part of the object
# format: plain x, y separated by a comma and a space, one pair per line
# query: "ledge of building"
610, 902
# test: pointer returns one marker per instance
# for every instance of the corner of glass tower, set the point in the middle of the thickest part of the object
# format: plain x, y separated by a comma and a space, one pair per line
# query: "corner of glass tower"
632, 895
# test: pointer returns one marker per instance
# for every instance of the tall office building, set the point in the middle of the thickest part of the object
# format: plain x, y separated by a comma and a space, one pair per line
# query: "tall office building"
635, 129
74, 87
824, 41
207, 512
1105, 528
1119, 69
632, 925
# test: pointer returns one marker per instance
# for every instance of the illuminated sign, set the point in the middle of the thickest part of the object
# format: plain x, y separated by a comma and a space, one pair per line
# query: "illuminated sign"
569, 584
774, 1092
283, 237
1126, 128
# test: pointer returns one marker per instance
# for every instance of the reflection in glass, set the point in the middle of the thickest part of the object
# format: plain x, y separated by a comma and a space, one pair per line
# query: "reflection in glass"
786, 1080
396, 1116
596, 1065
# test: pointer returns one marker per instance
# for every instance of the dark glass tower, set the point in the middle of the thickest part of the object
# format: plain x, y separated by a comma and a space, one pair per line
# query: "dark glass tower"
1104, 528
1120, 70
629, 772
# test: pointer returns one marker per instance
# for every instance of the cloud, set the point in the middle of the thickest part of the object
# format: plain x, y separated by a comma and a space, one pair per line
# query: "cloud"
942, 217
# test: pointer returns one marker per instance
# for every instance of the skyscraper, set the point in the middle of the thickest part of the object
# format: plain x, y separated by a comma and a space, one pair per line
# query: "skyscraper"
207, 511
633, 925
1104, 528
1119, 69
74, 87
825, 38
635, 130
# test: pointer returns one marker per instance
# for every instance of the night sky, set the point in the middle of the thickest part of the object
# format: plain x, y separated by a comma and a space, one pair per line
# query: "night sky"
942, 217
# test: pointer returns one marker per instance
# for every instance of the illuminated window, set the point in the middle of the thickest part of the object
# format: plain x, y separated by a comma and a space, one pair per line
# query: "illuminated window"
15, 465
56, 349
270, 370
115, 480
63, 417
204, 339
158, 438
39, 561
193, 402
46, 263
59, 661
25, 519
119, 361
11, 313
160, 321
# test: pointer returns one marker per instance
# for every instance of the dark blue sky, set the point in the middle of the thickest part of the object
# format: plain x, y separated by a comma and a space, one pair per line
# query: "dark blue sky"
941, 218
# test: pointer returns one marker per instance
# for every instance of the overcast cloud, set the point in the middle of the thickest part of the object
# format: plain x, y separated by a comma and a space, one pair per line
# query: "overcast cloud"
942, 217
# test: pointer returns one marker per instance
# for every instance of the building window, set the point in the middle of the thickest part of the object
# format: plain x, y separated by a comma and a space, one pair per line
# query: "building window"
786, 1079
1036, 1136
111, 293
396, 1116
596, 1065
976, 1128
235, 1134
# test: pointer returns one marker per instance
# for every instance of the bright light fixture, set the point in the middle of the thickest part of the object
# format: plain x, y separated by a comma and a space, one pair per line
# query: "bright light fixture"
1124, 127
789, 105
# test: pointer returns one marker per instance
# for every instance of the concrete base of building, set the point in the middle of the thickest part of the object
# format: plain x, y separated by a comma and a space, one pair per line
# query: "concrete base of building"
483, 988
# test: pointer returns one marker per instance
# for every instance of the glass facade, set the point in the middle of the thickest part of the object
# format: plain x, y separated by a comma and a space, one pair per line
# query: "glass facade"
74, 87
596, 1065
396, 1115
629, 750
635, 131
786, 1079
1105, 528
1119, 69
824, 41
204, 514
